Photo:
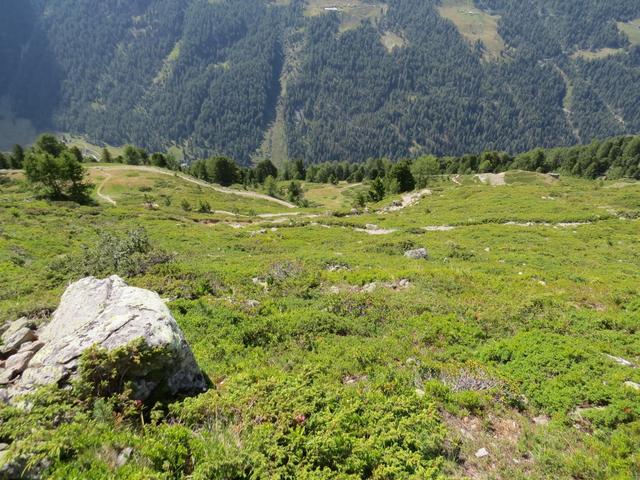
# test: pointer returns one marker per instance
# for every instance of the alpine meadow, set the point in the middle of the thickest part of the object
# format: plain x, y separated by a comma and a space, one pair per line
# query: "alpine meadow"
320, 239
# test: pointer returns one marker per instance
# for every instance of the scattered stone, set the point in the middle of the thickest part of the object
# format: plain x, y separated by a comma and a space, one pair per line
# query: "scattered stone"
13, 342
407, 200
634, 385
31, 346
109, 314
123, 457
337, 267
351, 379
10, 328
621, 361
5, 378
417, 254
18, 363
483, 452
252, 303
20, 467
45, 375
438, 228
541, 420
369, 287
378, 231
401, 284
260, 281
3, 446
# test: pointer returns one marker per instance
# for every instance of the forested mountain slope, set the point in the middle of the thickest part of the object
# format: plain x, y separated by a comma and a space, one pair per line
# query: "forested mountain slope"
325, 80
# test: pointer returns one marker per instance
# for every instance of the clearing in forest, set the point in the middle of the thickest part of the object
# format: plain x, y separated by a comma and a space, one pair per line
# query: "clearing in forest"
474, 25
352, 12
632, 29
391, 41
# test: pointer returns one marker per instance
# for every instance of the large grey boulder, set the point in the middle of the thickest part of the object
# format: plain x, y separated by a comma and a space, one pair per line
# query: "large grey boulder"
110, 314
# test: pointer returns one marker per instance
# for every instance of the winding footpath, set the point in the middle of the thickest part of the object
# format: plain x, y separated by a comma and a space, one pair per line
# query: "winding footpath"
101, 195
202, 183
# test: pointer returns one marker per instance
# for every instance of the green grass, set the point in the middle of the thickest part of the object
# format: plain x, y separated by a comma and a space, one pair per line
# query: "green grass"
632, 30
502, 324
87, 147
474, 25
596, 54
332, 197
352, 12
392, 40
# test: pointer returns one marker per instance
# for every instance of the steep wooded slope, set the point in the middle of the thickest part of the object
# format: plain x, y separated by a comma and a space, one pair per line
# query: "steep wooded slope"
370, 79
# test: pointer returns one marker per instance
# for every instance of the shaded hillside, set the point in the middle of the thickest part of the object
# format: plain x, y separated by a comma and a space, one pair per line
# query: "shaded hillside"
363, 79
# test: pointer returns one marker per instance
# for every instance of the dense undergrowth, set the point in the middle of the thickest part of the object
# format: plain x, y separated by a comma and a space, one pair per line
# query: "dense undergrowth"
500, 340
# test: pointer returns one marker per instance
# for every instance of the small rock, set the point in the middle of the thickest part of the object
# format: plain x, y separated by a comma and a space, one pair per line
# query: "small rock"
369, 287
252, 303
541, 420
45, 375
261, 282
371, 226
634, 385
3, 446
18, 362
483, 452
13, 327
5, 378
13, 342
124, 456
620, 361
31, 346
337, 267
417, 254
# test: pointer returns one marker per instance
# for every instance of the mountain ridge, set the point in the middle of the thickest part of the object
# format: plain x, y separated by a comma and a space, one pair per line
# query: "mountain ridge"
209, 78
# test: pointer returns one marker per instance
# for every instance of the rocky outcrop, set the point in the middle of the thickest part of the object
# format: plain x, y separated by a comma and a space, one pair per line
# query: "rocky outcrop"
417, 254
109, 314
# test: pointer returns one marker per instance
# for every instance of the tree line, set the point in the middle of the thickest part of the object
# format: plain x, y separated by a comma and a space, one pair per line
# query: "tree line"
57, 168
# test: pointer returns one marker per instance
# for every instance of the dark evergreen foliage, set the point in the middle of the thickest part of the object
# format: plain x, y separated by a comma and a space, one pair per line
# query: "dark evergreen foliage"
205, 76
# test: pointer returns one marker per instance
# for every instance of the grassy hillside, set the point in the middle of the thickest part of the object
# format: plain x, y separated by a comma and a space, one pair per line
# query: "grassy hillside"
331, 354
475, 25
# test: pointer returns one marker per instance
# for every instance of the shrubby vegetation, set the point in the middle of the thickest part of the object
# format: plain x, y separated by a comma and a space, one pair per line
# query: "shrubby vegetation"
330, 353
55, 169
126, 255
